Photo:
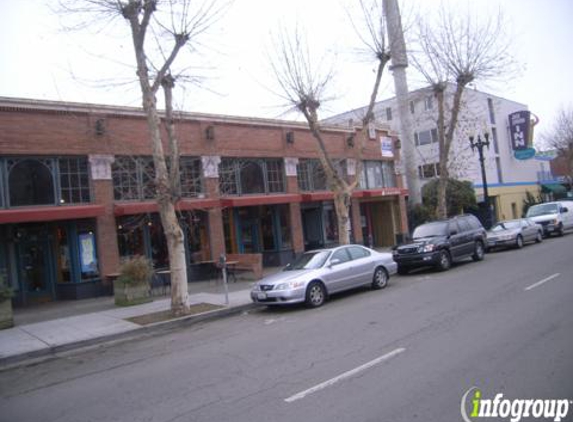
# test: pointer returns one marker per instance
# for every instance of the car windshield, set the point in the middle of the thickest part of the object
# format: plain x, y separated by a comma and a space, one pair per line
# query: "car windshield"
505, 225
309, 261
542, 209
431, 230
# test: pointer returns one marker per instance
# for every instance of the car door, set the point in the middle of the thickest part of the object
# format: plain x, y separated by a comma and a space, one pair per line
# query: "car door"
529, 230
363, 267
456, 240
340, 270
466, 235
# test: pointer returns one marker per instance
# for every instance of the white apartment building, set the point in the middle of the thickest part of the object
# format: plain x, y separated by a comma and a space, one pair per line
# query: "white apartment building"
508, 178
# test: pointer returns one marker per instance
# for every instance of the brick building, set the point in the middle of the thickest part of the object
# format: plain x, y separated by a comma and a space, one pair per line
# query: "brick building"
77, 195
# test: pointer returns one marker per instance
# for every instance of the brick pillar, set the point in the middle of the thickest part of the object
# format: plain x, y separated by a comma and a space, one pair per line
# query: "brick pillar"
216, 231
107, 249
356, 221
296, 232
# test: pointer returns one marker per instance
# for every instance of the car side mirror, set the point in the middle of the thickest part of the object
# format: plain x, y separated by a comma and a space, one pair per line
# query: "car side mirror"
334, 261
453, 232
564, 210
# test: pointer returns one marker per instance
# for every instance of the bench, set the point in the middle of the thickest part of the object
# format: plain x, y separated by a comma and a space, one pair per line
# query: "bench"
250, 263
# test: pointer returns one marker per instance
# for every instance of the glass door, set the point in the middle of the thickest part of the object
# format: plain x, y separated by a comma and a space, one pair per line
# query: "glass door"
35, 269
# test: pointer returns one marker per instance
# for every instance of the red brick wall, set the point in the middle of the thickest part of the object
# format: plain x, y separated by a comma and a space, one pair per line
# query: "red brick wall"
49, 132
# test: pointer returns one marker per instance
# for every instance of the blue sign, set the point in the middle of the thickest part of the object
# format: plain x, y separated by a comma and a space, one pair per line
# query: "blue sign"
524, 154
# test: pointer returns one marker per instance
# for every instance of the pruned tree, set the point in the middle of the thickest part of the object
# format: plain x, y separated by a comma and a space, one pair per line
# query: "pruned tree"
160, 31
304, 85
560, 138
454, 51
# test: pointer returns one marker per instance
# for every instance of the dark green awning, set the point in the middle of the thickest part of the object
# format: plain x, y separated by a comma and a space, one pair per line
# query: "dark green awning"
553, 188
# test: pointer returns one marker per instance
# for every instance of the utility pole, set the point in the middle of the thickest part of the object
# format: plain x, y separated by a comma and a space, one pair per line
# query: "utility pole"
398, 67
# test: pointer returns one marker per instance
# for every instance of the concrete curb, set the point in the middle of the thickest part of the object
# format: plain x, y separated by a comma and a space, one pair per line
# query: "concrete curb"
9, 362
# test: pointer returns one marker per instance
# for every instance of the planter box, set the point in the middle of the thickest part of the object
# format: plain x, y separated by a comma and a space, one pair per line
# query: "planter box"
6, 315
131, 294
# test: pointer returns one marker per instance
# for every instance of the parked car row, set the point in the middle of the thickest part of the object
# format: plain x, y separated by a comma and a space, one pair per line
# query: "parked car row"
314, 275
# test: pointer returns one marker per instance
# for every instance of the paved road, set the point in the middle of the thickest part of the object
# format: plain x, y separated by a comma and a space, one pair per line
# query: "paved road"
405, 353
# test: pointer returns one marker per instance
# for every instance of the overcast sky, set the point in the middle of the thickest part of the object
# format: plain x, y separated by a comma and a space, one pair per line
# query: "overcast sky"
40, 61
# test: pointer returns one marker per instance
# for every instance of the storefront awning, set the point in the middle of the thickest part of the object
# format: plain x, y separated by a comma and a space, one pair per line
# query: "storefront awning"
133, 208
553, 188
35, 214
252, 200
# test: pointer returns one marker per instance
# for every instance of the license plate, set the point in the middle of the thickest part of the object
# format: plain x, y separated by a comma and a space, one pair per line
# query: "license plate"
261, 296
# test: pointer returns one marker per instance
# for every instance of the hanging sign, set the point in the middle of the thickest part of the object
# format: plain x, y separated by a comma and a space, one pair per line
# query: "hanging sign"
521, 126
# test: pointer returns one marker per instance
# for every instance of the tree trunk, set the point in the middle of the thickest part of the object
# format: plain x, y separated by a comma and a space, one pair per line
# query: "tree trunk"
442, 208
171, 228
342, 207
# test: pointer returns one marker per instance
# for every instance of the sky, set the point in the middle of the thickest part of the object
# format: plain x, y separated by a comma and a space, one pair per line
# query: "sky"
40, 60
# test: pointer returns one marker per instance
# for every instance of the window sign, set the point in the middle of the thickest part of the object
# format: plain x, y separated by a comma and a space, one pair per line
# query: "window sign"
101, 166
386, 147
88, 258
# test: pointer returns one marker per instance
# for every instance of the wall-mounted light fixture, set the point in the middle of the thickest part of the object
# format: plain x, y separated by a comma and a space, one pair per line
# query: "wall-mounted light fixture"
290, 137
210, 133
100, 127
350, 141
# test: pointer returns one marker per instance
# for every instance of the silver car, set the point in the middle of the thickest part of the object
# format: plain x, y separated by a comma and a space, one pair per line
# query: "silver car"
316, 274
514, 233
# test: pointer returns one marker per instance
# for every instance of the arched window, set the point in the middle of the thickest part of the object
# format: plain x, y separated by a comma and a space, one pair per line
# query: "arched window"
31, 182
252, 177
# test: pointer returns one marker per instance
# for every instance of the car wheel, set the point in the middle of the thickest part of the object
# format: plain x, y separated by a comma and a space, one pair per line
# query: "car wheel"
315, 295
479, 251
444, 261
402, 270
519, 242
539, 237
380, 279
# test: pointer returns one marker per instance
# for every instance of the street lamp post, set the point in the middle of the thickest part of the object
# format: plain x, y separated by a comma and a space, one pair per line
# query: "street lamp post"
479, 144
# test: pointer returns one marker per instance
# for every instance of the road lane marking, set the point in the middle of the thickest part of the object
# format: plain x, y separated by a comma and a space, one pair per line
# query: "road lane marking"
345, 375
540, 282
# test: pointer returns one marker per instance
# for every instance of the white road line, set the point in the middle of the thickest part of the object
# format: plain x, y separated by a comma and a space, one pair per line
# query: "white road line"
345, 375
540, 282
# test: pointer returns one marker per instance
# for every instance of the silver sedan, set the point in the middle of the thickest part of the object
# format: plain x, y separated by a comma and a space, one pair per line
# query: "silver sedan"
514, 233
316, 274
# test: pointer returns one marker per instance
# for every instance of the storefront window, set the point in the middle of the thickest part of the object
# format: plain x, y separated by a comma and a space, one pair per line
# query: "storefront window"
252, 178
31, 182
130, 236
284, 227
267, 226
74, 180
64, 257
157, 242
330, 225
195, 225
244, 176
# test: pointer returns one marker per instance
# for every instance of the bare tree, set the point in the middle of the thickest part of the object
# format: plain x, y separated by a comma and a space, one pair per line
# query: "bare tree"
160, 31
560, 138
304, 85
455, 51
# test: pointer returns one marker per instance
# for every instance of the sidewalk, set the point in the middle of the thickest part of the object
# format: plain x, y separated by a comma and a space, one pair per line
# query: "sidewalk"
44, 330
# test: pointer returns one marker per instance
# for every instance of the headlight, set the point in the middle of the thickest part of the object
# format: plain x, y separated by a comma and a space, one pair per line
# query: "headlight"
427, 248
290, 285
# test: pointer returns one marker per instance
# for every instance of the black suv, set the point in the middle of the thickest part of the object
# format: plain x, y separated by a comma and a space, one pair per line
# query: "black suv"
442, 242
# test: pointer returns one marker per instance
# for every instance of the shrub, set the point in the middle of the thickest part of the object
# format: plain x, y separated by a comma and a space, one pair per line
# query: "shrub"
6, 292
136, 270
